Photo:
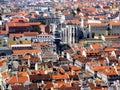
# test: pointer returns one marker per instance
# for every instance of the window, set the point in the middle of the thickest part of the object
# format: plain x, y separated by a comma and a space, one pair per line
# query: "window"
93, 34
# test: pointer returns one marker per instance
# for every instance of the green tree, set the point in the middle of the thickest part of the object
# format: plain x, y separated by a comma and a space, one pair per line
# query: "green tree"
0, 18
73, 13
38, 29
78, 10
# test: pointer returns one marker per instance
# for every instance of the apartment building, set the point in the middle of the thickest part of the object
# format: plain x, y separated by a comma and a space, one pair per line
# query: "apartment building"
38, 8
20, 25
114, 27
97, 29
44, 37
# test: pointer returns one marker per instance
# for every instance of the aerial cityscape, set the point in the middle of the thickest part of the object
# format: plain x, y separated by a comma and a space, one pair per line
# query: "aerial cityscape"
59, 44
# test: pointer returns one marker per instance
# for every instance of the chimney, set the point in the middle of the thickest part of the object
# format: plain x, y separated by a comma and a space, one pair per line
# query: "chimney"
65, 81
42, 82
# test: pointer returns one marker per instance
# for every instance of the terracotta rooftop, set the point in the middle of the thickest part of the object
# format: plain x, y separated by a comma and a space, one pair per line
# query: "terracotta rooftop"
4, 74
109, 49
18, 19
34, 72
97, 46
107, 70
48, 85
30, 33
113, 22
73, 21
12, 24
61, 84
91, 9
17, 79
2, 63
3, 32
16, 35
75, 68
60, 77
26, 51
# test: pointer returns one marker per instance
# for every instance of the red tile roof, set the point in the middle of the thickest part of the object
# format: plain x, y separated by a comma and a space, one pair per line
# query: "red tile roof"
75, 68
2, 63
12, 24
26, 51
114, 22
19, 19
97, 46
109, 49
17, 79
3, 32
30, 33
60, 77
107, 70
37, 71
16, 35
4, 74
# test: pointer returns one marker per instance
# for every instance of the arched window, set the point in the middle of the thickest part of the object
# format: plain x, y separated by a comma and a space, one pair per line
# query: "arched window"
93, 35
88, 36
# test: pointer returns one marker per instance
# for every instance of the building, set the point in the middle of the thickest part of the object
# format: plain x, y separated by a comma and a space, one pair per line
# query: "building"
3, 1
97, 29
109, 28
114, 27
71, 33
38, 8
44, 37
20, 25
12, 27
45, 20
